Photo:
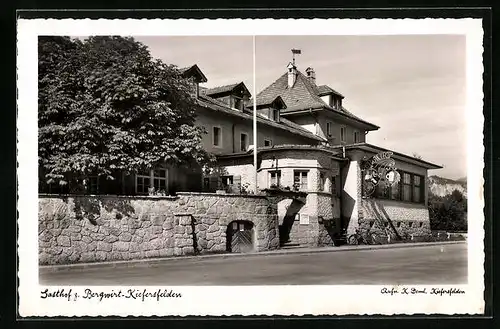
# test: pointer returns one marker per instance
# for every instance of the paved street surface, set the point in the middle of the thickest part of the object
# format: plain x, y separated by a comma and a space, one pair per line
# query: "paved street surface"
422, 265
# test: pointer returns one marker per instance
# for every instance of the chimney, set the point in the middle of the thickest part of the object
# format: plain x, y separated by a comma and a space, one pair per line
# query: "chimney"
311, 75
292, 74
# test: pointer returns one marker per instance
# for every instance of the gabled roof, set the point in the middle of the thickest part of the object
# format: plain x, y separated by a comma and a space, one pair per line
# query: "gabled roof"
300, 96
226, 89
277, 103
284, 124
325, 90
304, 96
195, 71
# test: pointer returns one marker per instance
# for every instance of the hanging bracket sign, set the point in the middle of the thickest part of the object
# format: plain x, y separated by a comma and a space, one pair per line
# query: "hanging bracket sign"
379, 169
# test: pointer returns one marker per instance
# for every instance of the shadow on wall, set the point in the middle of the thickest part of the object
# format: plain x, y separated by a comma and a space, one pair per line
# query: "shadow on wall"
288, 220
330, 233
90, 207
195, 236
381, 217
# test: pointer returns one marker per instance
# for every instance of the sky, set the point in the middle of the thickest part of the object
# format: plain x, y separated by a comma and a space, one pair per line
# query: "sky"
412, 87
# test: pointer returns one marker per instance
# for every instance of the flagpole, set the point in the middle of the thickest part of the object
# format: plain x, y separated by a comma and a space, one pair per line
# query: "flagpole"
254, 119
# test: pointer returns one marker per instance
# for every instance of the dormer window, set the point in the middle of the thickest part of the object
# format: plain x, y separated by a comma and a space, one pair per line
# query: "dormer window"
237, 103
195, 76
274, 114
336, 102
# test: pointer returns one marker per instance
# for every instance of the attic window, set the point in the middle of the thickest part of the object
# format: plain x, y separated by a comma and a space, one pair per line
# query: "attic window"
274, 114
237, 103
336, 102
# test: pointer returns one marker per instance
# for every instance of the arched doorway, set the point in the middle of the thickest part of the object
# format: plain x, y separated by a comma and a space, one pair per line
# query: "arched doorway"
240, 236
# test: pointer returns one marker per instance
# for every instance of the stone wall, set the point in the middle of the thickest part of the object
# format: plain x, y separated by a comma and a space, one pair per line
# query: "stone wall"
108, 228
394, 218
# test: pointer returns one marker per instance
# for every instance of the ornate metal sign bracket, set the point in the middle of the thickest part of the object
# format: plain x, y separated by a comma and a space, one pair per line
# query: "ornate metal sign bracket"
378, 170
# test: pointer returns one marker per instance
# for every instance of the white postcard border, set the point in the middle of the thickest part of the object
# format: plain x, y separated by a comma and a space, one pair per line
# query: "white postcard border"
259, 300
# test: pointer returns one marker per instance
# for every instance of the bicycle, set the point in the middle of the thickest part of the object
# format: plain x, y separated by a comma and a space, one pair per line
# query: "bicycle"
367, 239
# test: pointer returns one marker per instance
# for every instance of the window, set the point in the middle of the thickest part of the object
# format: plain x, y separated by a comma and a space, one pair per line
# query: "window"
322, 182
356, 136
329, 129
238, 102
410, 188
395, 192
300, 180
206, 184
342, 134
226, 181
243, 142
268, 142
336, 102
142, 182
160, 179
334, 185
156, 178
217, 137
416, 189
274, 114
406, 187
93, 187
274, 178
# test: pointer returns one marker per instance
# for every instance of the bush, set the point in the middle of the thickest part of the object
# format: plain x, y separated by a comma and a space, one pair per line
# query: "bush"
448, 213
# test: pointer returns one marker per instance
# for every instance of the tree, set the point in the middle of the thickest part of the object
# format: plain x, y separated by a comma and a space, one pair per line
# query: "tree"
448, 213
106, 106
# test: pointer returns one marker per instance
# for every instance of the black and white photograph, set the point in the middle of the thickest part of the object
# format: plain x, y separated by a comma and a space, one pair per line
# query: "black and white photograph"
255, 163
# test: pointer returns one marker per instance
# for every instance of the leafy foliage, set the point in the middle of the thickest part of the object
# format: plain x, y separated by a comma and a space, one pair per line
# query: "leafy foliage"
448, 213
105, 106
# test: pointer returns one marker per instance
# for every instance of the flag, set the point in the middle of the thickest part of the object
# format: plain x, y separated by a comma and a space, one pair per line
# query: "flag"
296, 51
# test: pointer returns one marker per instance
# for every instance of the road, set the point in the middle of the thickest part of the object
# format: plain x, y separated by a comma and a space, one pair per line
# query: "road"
418, 265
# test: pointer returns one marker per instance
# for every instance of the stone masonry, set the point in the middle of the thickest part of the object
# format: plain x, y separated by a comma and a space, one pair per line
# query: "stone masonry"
77, 229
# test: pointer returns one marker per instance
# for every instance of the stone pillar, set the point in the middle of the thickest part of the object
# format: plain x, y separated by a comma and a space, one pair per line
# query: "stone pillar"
183, 234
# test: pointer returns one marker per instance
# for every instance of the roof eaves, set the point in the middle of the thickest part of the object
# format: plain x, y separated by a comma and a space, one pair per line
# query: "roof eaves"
219, 106
371, 147
284, 147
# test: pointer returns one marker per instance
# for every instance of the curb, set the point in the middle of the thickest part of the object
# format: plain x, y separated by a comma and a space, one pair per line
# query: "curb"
149, 262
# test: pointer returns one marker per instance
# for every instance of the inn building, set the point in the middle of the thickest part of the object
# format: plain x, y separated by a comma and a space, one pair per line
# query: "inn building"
312, 152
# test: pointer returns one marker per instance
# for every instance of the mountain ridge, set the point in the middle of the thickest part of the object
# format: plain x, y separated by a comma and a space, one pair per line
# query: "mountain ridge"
442, 186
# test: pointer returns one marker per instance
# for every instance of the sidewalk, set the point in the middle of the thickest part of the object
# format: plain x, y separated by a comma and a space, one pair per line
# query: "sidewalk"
293, 251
